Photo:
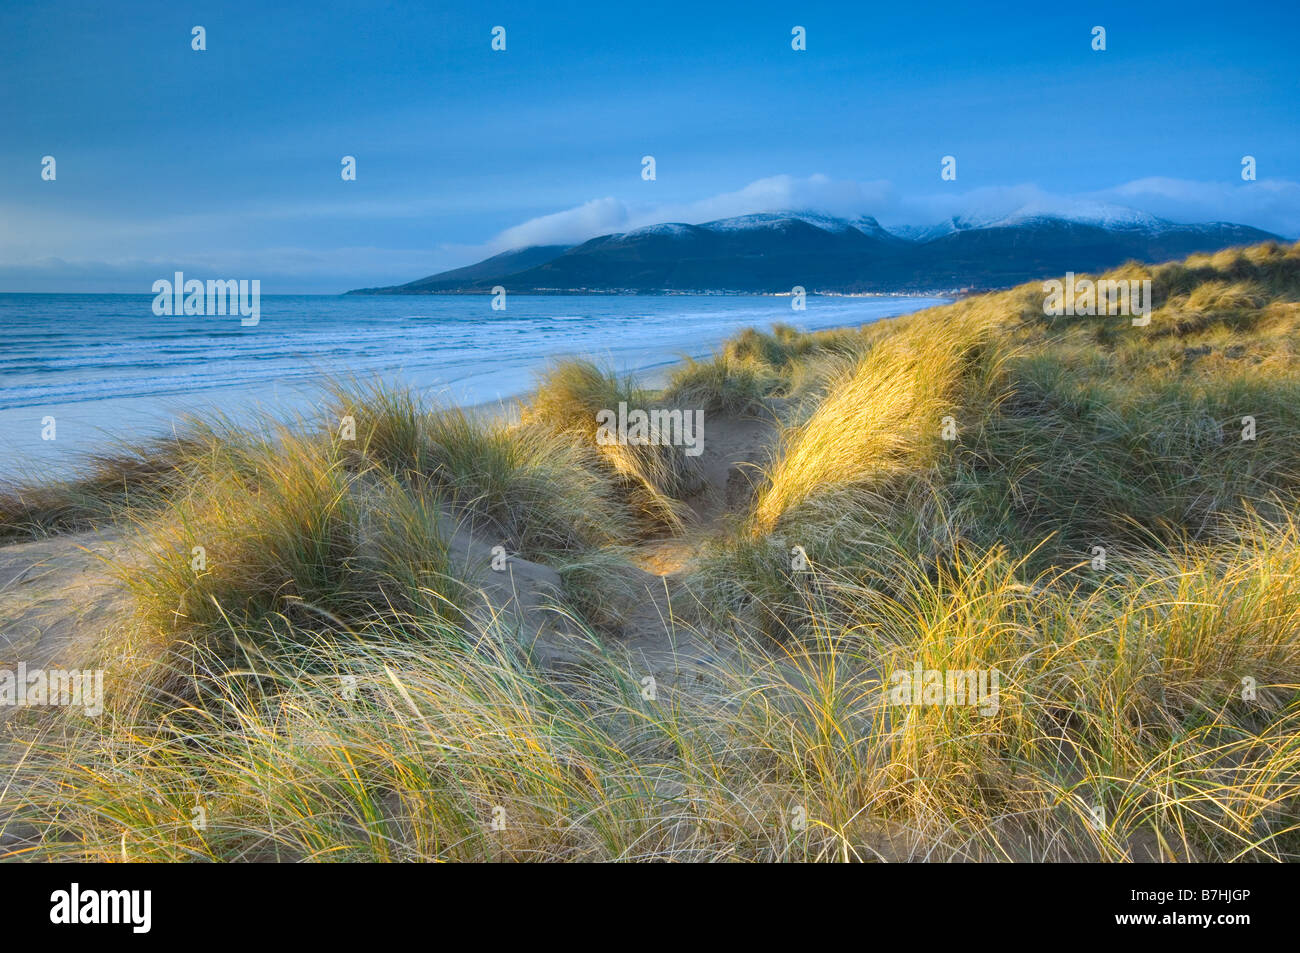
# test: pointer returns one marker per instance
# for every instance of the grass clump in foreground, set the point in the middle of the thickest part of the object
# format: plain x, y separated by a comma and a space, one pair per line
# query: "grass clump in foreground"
1118, 700
723, 384
652, 478
1147, 705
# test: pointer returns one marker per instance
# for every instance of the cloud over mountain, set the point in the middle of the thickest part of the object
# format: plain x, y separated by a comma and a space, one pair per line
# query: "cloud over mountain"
121, 254
1271, 205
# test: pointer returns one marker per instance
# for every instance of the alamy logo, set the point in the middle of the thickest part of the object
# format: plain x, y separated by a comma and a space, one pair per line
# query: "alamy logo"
225, 296
134, 907
55, 687
658, 427
931, 686
1104, 297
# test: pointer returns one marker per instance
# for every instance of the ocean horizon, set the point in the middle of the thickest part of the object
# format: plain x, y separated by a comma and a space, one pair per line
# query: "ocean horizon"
108, 370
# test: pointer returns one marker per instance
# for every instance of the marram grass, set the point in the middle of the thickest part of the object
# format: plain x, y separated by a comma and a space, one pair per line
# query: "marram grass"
1123, 701
318, 691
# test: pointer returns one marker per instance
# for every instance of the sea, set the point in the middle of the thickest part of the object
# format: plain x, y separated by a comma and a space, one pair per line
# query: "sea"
81, 373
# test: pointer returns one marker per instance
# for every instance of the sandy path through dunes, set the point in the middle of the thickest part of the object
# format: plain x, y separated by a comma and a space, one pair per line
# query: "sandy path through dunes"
60, 594
57, 595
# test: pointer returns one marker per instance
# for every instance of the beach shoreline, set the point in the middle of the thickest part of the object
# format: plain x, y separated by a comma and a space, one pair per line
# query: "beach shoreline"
87, 424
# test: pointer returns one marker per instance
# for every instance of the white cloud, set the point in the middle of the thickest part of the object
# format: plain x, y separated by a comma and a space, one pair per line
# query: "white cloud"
588, 220
603, 216
1270, 205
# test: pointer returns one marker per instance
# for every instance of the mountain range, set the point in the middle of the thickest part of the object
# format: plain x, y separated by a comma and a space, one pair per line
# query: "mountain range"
775, 251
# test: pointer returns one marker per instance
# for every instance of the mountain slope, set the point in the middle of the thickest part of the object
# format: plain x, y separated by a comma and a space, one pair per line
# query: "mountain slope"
774, 252
489, 269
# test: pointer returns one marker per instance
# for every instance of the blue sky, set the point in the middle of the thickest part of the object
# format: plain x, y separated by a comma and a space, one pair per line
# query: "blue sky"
226, 162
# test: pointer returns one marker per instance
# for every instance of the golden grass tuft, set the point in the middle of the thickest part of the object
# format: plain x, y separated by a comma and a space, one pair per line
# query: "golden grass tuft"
881, 420
654, 477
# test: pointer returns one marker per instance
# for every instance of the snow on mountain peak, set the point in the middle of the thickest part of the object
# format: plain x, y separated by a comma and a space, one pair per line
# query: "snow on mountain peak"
765, 219
1085, 212
663, 228
1100, 214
